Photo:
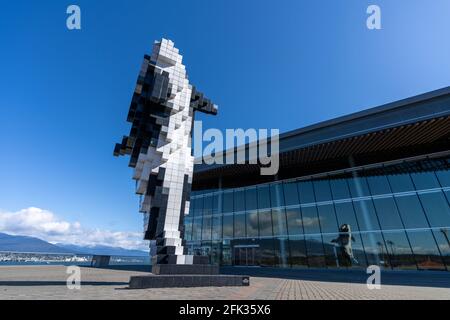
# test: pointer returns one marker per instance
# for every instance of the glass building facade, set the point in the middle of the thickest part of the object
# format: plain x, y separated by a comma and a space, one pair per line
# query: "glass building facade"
395, 215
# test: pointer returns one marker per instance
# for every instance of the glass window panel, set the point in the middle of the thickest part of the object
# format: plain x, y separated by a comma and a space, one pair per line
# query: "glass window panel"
227, 226
436, 209
399, 251
379, 185
425, 180
197, 228
216, 249
297, 257
294, 220
226, 253
375, 248
252, 224
344, 250
265, 223
331, 251
425, 250
239, 200
366, 215
216, 227
401, 183
411, 212
339, 189
322, 190
198, 206
387, 213
327, 217
207, 205
263, 197
276, 194
444, 177
206, 228
227, 202
215, 204
239, 225
279, 222
266, 252
291, 193
281, 252
443, 240
358, 187
188, 229
346, 215
314, 249
310, 219
306, 193
250, 199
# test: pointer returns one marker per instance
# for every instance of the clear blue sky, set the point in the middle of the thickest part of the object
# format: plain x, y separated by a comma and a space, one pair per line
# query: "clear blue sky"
64, 95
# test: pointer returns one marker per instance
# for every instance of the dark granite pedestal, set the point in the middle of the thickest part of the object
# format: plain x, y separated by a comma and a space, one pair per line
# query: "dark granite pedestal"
185, 280
185, 275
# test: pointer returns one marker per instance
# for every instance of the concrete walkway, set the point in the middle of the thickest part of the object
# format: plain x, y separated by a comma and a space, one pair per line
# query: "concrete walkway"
49, 282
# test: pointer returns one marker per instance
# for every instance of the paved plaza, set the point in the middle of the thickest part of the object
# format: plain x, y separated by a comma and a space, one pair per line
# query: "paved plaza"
49, 282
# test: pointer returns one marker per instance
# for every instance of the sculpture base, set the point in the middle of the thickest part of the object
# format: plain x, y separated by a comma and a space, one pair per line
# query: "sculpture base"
186, 281
190, 269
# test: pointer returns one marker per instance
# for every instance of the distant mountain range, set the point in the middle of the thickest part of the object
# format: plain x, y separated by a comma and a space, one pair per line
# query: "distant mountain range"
35, 245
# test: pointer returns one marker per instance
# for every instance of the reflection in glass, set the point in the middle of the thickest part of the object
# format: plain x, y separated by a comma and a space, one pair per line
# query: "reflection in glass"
436, 208
401, 182
399, 251
346, 215
198, 207
297, 257
294, 220
315, 252
322, 190
216, 227
291, 193
265, 223
252, 224
266, 252
328, 222
227, 226
263, 197
375, 248
281, 252
443, 177
339, 189
442, 236
306, 193
310, 219
366, 215
279, 222
239, 225
188, 229
411, 212
206, 228
387, 213
197, 228
379, 185
276, 195
207, 205
227, 198
358, 187
425, 250
424, 180
250, 199
239, 200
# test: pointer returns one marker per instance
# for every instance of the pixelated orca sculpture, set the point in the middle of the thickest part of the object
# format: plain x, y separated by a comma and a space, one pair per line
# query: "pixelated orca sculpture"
159, 144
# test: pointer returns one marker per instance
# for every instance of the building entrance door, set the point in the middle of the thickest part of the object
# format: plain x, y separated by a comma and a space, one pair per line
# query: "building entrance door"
246, 255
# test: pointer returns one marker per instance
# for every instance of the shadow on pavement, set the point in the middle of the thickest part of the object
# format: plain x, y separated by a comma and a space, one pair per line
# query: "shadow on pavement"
439, 279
